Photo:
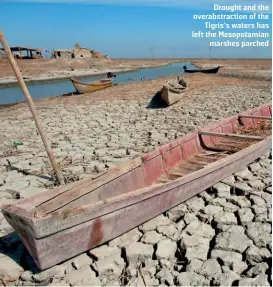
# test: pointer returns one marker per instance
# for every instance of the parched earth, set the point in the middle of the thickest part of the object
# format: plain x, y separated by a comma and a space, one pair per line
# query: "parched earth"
220, 237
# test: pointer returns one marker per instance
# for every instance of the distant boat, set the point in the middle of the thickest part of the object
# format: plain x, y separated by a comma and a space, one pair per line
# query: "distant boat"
206, 71
173, 91
83, 88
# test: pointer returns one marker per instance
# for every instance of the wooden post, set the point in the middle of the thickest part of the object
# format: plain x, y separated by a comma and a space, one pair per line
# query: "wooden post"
29, 100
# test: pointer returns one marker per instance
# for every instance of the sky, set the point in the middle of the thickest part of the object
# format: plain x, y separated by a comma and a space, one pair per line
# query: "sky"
125, 29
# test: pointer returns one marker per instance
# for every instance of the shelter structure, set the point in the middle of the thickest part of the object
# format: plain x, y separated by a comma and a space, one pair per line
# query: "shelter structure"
25, 52
63, 53
81, 52
78, 53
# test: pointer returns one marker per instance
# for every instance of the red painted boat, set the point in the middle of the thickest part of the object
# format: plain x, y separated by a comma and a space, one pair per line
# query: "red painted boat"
63, 222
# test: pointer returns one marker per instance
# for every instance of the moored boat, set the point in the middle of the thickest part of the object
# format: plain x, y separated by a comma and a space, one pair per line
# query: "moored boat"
206, 71
61, 223
83, 88
173, 92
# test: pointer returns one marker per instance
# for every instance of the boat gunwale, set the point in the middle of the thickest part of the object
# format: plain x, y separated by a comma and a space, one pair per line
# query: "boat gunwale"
186, 89
165, 93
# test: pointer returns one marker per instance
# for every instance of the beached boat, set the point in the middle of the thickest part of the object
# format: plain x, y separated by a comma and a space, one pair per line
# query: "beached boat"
206, 71
173, 92
63, 222
83, 88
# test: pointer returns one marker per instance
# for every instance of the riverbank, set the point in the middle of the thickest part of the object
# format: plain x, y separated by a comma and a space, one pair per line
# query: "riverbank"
44, 71
12, 81
65, 87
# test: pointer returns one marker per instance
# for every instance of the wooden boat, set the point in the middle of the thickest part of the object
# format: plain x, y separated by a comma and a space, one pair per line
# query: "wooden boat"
63, 222
206, 71
171, 94
83, 88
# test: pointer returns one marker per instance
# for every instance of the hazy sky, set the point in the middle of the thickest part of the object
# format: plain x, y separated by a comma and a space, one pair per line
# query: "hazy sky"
120, 29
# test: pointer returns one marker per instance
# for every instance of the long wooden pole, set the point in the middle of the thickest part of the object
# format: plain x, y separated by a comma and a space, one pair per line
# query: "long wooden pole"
29, 100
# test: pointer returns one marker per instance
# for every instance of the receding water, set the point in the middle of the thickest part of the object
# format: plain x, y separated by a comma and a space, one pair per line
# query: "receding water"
49, 89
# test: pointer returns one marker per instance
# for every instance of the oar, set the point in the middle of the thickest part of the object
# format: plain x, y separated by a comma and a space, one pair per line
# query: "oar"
29, 100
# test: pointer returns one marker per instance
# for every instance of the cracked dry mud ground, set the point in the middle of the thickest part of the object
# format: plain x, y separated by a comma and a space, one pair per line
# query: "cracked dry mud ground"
220, 237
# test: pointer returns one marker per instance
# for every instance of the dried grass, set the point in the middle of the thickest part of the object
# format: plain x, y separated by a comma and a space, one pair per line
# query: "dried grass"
262, 129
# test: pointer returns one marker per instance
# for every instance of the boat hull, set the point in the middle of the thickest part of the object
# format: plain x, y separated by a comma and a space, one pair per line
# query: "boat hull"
52, 236
83, 88
205, 71
171, 98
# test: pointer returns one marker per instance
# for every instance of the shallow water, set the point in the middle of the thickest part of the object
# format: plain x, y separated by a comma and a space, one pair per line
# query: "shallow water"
49, 89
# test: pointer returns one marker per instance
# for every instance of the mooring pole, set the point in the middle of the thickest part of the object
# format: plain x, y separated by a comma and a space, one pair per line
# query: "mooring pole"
29, 100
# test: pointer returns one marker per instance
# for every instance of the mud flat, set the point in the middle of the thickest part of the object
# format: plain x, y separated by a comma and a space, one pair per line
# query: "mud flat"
221, 237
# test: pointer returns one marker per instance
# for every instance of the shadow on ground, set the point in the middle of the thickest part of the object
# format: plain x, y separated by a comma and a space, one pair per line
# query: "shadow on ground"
12, 246
156, 102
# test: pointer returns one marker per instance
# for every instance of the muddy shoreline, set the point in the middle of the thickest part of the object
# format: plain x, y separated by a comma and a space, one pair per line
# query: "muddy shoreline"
8, 83
65, 74
232, 69
43, 79
55, 72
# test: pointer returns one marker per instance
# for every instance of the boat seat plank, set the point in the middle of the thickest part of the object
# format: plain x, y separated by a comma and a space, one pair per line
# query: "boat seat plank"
212, 154
255, 117
195, 164
245, 137
199, 162
163, 180
211, 158
175, 174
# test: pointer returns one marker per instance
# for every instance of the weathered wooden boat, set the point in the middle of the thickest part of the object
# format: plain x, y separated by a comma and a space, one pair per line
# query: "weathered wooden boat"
173, 92
63, 222
206, 71
83, 88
